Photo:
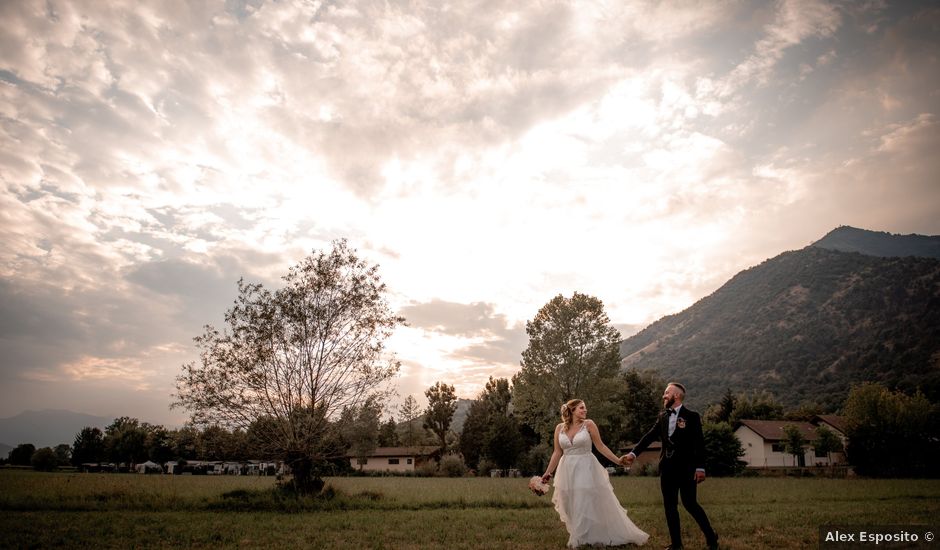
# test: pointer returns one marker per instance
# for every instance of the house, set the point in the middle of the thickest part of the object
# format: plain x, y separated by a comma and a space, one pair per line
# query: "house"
649, 456
395, 459
764, 442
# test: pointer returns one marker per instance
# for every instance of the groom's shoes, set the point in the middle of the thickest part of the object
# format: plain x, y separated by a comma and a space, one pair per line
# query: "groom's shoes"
712, 544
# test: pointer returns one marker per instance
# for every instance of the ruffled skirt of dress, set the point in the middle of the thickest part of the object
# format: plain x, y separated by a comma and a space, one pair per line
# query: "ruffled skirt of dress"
585, 500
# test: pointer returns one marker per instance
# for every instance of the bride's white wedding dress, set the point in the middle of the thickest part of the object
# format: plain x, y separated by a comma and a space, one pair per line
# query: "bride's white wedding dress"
585, 499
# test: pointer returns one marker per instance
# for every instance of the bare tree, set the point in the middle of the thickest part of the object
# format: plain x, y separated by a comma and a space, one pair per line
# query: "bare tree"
290, 360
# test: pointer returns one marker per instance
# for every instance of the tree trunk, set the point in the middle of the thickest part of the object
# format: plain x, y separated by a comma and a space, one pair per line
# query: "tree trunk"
303, 479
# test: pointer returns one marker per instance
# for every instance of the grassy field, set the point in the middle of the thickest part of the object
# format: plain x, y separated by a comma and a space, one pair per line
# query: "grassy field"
59, 510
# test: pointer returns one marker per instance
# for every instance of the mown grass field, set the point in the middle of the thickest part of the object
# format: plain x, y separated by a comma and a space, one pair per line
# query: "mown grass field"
71, 510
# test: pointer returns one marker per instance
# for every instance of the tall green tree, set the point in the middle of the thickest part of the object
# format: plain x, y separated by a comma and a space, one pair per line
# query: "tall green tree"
362, 429
124, 440
408, 415
491, 408
88, 446
442, 404
793, 442
891, 434
723, 450
475, 430
573, 352
504, 443
296, 356
388, 433
637, 402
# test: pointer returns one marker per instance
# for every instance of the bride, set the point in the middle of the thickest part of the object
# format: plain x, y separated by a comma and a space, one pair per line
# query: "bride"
584, 497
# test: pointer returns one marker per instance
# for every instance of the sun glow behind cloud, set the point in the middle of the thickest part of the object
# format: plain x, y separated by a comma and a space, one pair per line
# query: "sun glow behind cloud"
488, 160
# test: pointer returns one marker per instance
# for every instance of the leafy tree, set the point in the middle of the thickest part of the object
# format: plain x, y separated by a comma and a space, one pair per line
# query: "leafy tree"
723, 450
88, 446
475, 430
22, 455
361, 430
184, 442
573, 352
497, 394
295, 357
388, 433
159, 444
124, 440
407, 415
757, 406
726, 406
490, 430
793, 442
217, 443
44, 460
63, 453
637, 400
504, 443
891, 434
442, 404
827, 442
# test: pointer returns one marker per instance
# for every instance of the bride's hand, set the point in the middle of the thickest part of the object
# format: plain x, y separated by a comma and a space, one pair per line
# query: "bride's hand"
546, 477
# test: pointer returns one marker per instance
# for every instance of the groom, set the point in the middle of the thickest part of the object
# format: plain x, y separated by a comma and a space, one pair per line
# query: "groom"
681, 465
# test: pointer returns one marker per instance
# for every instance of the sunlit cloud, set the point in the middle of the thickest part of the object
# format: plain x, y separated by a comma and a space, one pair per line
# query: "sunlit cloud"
487, 159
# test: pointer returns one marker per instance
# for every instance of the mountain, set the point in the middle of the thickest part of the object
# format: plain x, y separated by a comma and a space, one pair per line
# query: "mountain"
805, 325
879, 243
47, 428
5, 450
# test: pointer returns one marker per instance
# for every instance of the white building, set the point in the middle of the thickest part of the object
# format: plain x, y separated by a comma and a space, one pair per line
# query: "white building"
395, 459
764, 442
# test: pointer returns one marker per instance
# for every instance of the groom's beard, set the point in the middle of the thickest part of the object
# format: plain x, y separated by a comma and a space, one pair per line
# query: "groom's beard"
668, 403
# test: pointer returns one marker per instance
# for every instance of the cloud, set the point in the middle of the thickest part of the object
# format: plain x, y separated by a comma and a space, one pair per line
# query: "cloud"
489, 156
488, 336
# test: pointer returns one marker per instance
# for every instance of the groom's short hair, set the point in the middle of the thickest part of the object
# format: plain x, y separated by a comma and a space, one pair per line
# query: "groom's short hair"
678, 385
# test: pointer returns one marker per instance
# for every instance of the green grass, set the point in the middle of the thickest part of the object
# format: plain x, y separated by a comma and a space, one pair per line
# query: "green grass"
60, 510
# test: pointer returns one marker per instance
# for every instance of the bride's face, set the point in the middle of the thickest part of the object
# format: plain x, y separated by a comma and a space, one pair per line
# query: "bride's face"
580, 412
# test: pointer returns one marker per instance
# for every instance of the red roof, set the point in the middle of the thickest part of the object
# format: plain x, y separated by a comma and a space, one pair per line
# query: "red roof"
834, 420
772, 430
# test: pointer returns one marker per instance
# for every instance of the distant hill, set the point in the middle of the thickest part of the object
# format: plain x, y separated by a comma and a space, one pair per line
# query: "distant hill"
879, 243
47, 428
5, 450
805, 325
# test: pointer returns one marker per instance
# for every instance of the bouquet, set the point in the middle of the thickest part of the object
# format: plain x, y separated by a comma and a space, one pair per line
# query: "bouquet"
537, 486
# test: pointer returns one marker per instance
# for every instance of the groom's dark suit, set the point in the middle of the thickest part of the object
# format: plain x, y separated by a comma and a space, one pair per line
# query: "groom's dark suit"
682, 454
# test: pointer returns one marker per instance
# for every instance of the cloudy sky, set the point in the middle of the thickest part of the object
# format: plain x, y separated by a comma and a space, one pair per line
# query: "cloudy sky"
487, 155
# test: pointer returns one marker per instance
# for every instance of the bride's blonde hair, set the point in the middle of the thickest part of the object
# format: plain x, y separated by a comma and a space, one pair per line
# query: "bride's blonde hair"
567, 411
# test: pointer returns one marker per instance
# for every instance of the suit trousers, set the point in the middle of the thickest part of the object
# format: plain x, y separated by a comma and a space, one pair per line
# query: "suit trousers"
678, 479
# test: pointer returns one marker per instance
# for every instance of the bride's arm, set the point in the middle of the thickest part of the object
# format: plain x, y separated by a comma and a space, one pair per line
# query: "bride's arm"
556, 456
599, 443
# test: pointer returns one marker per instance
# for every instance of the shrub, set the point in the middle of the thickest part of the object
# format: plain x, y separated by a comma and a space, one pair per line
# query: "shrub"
453, 466
428, 469
45, 460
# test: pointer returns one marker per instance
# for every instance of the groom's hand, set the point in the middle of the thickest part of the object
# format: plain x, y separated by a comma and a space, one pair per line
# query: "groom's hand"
627, 459
699, 476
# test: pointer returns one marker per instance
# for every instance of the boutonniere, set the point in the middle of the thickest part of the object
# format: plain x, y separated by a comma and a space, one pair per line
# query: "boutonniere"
680, 422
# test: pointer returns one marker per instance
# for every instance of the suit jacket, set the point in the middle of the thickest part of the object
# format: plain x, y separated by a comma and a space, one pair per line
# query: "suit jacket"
687, 444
